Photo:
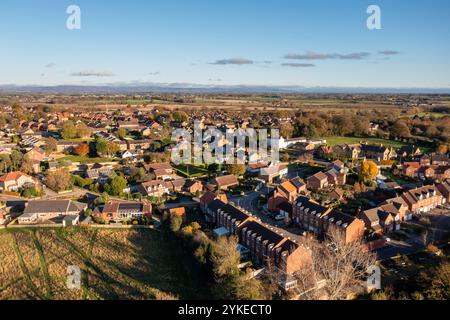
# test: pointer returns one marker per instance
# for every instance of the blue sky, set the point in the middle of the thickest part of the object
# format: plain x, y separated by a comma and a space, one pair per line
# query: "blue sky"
226, 42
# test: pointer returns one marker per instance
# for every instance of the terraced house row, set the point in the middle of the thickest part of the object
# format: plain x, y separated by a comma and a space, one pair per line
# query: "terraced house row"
390, 214
264, 243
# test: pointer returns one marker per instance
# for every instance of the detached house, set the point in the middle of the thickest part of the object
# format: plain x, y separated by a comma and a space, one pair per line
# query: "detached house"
46, 210
14, 181
36, 155
317, 181
378, 152
156, 188
160, 171
285, 192
123, 211
226, 182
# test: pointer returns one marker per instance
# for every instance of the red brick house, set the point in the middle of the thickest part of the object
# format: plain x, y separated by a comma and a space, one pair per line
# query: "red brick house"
317, 182
308, 214
225, 182
444, 189
350, 228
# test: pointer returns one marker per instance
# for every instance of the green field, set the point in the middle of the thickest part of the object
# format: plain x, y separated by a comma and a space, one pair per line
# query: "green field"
115, 264
191, 171
429, 114
333, 141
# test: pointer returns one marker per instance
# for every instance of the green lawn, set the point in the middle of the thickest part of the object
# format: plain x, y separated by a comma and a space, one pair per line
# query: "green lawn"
84, 159
194, 172
335, 140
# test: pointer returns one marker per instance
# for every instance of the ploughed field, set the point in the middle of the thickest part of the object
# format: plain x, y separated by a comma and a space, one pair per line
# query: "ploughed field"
115, 264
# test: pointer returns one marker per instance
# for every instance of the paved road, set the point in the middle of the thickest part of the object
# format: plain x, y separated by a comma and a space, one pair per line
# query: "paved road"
396, 248
250, 203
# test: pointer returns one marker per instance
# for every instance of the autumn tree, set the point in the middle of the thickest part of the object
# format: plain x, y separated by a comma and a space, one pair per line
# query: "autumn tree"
59, 180
236, 169
50, 145
27, 166
400, 130
82, 149
368, 170
287, 130
83, 131
175, 222
121, 133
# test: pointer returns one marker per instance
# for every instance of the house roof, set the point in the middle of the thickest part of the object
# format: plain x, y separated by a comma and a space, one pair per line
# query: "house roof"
53, 206
158, 166
319, 176
337, 216
226, 180
178, 211
264, 232
12, 176
289, 187
298, 182
311, 205
232, 211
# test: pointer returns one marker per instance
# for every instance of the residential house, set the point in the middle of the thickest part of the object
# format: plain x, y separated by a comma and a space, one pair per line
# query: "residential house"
308, 214
444, 189
226, 182
15, 181
271, 173
378, 152
155, 188
409, 151
285, 192
36, 155
160, 171
422, 199
209, 197
349, 227
317, 181
115, 211
180, 211
193, 186
379, 220
100, 173
266, 246
48, 210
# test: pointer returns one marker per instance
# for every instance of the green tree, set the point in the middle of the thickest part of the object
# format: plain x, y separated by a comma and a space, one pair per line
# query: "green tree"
101, 146
116, 186
69, 131
180, 116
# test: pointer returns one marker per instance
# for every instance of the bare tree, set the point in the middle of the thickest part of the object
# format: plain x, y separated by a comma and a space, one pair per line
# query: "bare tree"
338, 268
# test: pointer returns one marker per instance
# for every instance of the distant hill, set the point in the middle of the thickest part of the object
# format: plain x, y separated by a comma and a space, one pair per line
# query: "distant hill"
199, 88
